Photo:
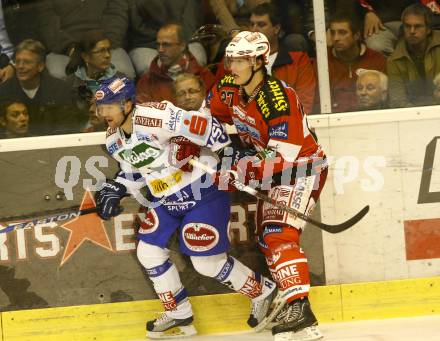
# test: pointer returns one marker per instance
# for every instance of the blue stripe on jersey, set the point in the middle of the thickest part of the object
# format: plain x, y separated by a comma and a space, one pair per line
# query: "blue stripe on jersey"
130, 176
257, 277
159, 270
226, 270
181, 295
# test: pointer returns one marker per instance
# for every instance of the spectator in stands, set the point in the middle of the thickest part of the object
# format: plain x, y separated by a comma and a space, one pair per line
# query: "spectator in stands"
189, 91
436, 92
89, 65
292, 14
214, 40
173, 59
371, 89
382, 23
416, 60
6, 51
148, 16
14, 120
346, 56
233, 15
295, 68
330, 6
309, 24
63, 22
47, 98
95, 122
434, 6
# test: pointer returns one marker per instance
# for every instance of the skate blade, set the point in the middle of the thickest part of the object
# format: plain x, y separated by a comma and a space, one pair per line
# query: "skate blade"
276, 306
175, 332
307, 334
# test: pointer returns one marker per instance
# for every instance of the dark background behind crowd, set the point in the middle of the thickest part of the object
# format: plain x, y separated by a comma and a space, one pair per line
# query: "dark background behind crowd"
55, 53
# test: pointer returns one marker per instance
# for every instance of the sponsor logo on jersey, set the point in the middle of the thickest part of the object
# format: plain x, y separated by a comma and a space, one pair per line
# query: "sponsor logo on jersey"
161, 185
179, 202
263, 105
272, 99
227, 79
141, 155
200, 237
168, 300
218, 134
243, 116
226, 270
143, 137
282, 195
148, 222
272, 229
243, 128
110, 131
298, 193
148, 121
279, 99
298, 289
287, 276
196, 125
279, 131
272, 259
154, 105
113, 148
175, 117
252, 288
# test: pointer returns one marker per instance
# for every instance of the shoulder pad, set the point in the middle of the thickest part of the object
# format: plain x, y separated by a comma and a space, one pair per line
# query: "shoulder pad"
144, 107
227, 80
272, 99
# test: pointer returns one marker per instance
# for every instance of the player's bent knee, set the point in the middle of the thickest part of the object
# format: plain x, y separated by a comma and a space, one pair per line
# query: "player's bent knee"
278, 234
151, 256
209, 266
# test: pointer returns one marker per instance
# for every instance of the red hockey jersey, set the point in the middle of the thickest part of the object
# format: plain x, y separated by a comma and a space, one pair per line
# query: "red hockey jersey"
272, 118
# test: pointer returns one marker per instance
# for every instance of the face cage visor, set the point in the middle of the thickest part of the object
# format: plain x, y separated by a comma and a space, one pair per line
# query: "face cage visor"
240, 63
110, 109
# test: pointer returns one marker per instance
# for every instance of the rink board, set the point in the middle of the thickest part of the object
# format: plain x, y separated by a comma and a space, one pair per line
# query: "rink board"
222, 313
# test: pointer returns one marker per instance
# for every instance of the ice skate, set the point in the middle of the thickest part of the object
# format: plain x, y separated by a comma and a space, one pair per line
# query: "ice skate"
296, 323
166, 327
265, 308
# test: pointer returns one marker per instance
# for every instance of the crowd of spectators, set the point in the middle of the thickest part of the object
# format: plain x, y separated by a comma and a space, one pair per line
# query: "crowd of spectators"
55, 53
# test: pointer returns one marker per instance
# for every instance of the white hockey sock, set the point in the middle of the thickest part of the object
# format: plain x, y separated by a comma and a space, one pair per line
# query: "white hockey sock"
240, 278
166, 280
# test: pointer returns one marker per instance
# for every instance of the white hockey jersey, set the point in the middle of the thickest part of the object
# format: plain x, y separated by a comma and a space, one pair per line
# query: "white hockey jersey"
143, 156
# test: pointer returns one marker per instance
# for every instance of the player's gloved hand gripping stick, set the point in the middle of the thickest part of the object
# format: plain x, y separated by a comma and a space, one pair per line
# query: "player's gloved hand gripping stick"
244, 188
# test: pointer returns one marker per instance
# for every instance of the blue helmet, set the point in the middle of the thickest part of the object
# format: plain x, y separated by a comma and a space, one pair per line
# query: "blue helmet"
115, 90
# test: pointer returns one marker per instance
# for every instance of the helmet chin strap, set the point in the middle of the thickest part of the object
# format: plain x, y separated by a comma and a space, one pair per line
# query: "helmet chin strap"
252, 75
125, 115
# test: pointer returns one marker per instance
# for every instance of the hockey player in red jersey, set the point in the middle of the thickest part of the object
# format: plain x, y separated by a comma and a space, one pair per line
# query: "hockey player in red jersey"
286, 161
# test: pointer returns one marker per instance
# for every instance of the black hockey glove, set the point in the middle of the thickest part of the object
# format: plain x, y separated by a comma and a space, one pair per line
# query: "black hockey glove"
108, 199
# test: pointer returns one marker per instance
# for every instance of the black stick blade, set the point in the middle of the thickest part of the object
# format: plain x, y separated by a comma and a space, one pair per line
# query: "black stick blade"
342, 226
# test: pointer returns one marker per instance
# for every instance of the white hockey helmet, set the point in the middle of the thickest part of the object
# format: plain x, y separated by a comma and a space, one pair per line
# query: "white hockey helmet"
249, 44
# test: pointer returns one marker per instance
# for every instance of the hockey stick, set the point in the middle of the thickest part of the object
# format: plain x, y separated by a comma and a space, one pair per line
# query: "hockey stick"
73, 213
326, 227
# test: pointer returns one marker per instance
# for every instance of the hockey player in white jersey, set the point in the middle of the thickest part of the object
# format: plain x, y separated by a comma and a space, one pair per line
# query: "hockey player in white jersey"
152, 143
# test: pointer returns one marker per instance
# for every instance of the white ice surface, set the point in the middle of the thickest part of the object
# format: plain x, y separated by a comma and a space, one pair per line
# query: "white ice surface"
425, 328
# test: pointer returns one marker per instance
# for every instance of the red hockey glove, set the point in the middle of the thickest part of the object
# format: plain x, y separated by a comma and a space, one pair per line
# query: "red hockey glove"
181, 151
